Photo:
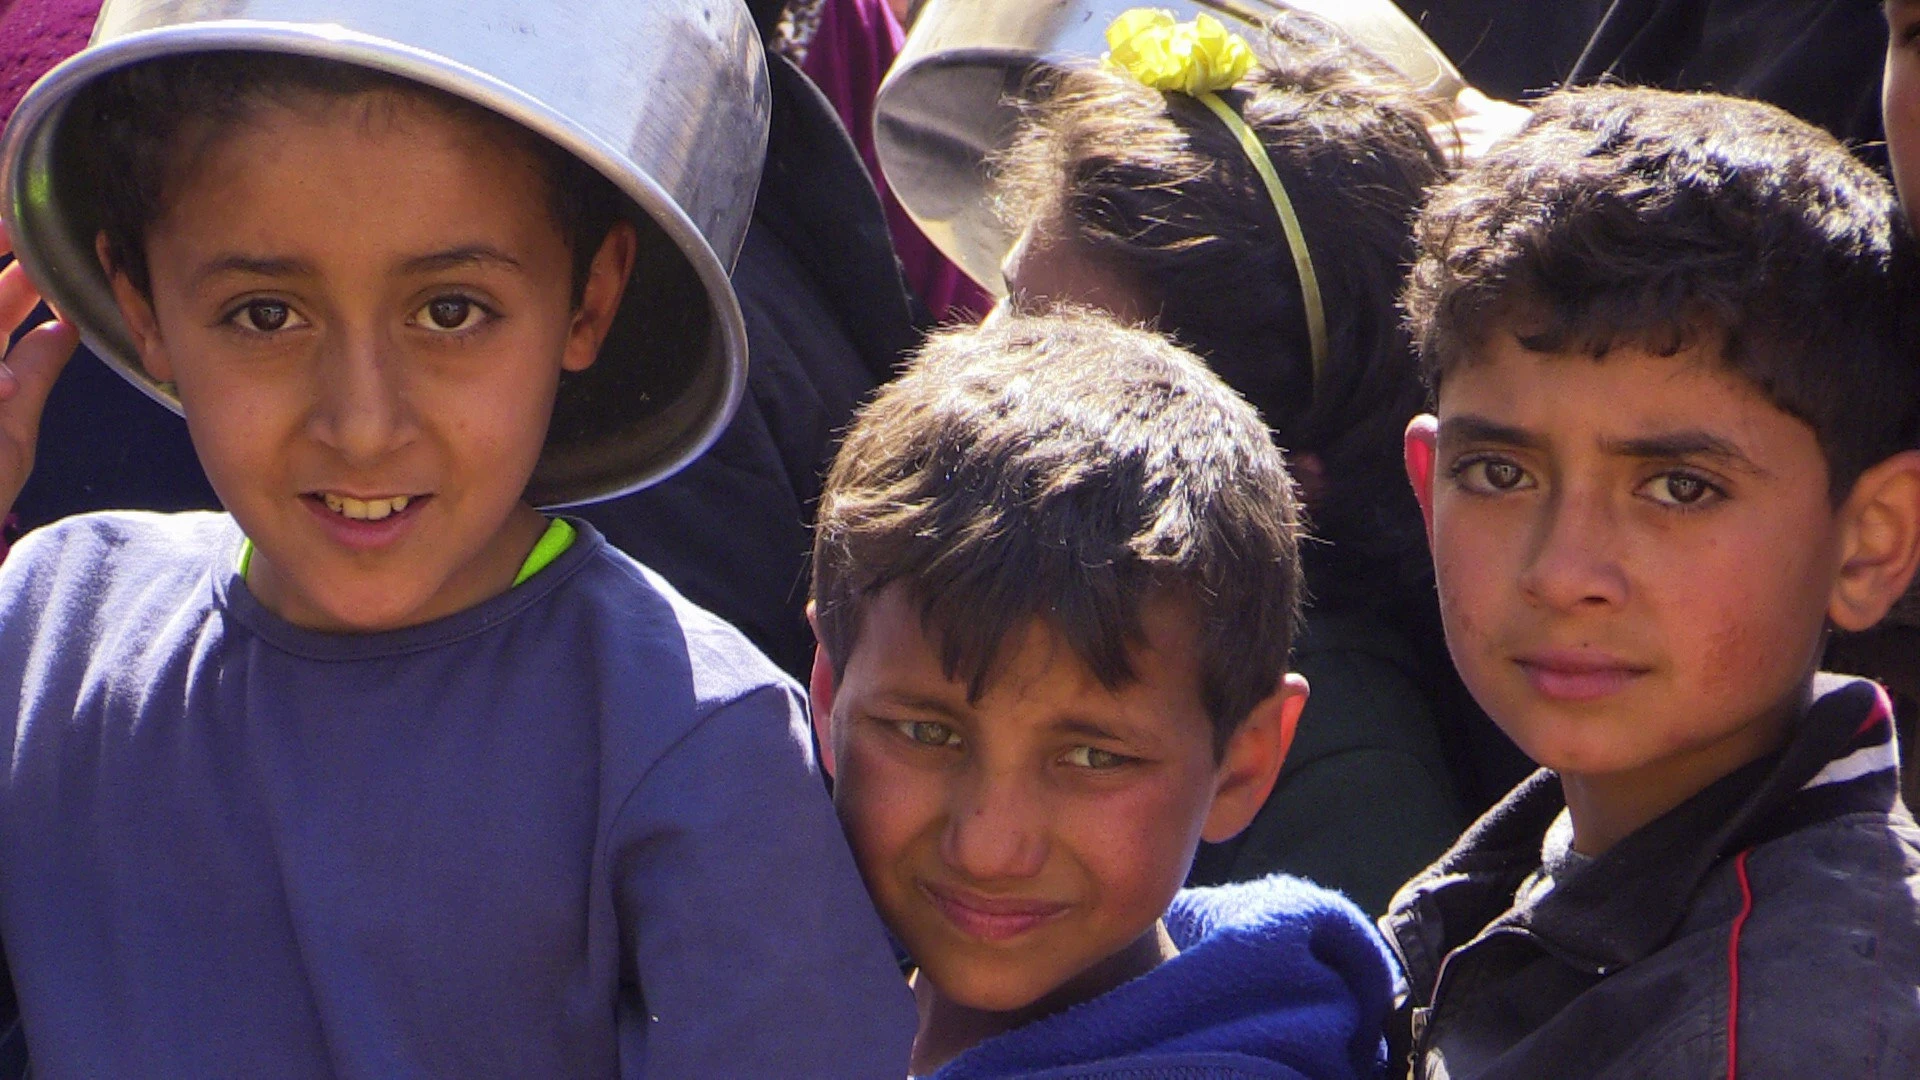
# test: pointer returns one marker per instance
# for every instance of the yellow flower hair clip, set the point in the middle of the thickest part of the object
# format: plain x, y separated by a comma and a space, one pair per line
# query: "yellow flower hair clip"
1199, 59
1193, 58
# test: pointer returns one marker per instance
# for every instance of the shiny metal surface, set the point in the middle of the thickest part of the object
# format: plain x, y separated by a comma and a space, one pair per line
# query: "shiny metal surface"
668, 98
946, 106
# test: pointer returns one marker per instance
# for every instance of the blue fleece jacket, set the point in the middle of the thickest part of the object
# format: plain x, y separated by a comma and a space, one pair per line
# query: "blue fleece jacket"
1275, 978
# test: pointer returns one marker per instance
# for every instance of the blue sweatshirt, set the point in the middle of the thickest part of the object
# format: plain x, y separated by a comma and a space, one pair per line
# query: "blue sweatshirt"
575, 831
1275, 978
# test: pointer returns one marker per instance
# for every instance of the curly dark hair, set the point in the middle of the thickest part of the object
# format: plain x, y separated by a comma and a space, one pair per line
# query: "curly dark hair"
146, 123
1156, 188
1625, 216
1067, 468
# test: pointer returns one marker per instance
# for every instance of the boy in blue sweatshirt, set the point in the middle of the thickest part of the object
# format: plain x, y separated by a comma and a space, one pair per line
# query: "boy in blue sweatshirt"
1055, 580
384, 773
1678, 402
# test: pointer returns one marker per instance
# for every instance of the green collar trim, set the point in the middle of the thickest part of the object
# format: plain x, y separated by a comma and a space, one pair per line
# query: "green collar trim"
554, 543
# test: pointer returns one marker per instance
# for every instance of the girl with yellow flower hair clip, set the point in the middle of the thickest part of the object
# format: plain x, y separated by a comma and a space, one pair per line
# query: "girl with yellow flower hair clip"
1257, 209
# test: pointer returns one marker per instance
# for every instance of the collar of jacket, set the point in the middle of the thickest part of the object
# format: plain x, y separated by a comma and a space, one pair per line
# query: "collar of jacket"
1629, 902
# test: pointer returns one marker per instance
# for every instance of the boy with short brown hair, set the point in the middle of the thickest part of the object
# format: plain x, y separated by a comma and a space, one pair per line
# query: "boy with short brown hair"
1056, 577
1677, 406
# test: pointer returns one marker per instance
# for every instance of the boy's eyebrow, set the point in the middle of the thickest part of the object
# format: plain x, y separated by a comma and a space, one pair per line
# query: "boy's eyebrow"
1086, 729
466, 255
258, 265
1684, 444
1479, 429
904, 699
1672, 444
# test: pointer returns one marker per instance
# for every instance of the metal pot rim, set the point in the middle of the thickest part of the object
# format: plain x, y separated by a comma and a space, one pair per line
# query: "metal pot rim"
922, 153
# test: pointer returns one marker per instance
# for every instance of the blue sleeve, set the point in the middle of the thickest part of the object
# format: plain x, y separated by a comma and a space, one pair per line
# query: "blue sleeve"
755, 947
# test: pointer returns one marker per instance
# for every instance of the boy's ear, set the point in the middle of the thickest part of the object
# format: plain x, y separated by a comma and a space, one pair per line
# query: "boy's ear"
1879, 542
137, 311
1251, 761
1422, 449
600, 298
820, 689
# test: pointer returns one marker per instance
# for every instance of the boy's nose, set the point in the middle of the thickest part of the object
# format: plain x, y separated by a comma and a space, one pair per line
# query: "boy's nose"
996, 828
360, 401
1574, 561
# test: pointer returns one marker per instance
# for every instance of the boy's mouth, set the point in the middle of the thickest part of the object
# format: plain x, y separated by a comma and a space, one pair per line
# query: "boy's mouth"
366, 524
990, 918
365, 509
1577, 674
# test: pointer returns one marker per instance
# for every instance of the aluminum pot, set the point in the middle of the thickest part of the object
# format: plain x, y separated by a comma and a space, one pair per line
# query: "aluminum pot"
668, 98
948, 104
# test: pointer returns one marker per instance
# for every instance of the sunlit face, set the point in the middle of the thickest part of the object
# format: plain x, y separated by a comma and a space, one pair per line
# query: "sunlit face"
1900, 101
365, 306
1017, 843
1634, 556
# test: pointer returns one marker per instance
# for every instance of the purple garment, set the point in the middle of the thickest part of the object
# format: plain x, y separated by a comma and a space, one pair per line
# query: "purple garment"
849, 54
575, 831
34, 36
1277, 979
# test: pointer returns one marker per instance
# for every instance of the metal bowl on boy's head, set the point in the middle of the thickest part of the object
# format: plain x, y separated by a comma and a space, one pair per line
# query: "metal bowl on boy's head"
668, 98
951, 101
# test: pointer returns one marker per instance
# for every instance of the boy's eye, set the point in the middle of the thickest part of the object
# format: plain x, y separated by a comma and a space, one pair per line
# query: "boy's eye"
929, 733
1681, 489
266, 316
1489, 476
1092, 757
449, 313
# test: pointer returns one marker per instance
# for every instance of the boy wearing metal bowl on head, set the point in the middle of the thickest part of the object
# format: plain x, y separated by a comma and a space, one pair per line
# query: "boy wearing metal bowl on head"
385, 773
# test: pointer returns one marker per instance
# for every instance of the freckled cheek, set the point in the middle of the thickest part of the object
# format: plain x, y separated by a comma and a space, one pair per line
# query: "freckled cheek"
1741, 617
888, 811
1136, 843
1470, 582
244, 445
506, 437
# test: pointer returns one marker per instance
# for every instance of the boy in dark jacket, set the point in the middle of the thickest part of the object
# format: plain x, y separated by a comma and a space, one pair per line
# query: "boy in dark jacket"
1056, 576
1673, 449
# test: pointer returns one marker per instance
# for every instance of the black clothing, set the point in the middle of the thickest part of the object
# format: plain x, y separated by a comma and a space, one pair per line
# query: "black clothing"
1772, 921
1366, 797
1818, 59
1509, 49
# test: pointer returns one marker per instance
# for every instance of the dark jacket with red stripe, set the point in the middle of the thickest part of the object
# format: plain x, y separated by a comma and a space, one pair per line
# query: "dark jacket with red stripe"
1768, 927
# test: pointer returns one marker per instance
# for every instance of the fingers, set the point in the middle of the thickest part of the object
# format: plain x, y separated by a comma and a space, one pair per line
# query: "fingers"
18, 297
28, 375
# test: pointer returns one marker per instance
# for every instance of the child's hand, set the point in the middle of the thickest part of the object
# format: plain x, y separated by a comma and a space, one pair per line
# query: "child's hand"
26, 375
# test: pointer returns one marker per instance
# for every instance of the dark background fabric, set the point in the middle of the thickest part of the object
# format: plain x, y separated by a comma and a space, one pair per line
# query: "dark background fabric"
1509, 49
1818, 59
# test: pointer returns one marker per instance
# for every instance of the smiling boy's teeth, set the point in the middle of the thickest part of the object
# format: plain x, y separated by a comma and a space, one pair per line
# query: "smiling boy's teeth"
365, 509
